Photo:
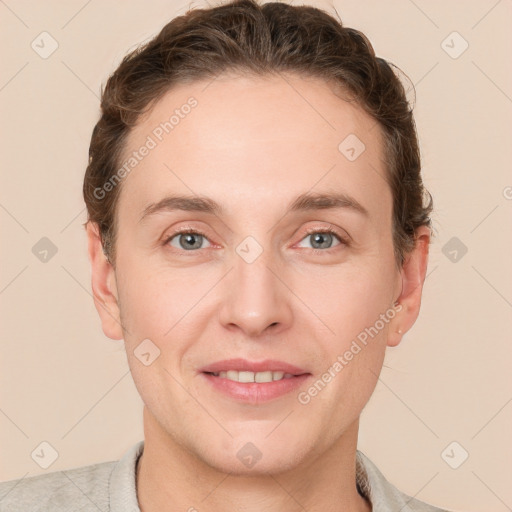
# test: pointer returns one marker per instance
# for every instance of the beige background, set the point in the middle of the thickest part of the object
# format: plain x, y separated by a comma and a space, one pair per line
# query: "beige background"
62, 381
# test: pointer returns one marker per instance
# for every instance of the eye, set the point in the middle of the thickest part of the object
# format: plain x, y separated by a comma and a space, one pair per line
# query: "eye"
323, 239
186, 240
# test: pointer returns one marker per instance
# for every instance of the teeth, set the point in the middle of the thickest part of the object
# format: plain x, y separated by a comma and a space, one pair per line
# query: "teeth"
263, 377
232, 375
267, 376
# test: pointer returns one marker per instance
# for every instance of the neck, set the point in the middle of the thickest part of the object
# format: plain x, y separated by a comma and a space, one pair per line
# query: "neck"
169, 478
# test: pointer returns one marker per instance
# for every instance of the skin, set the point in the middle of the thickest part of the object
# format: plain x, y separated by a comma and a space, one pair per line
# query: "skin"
253, 145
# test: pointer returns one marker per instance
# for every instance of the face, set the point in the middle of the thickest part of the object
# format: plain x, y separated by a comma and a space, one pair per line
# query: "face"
250, 278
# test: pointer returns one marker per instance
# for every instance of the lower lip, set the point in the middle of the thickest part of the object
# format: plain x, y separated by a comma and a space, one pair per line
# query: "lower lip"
256, 392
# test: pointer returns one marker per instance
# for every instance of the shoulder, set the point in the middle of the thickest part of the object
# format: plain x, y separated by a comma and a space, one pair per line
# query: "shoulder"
96, 487
384, 496
86, 488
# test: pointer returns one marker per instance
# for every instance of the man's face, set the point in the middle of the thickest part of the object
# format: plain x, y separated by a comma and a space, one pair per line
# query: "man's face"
256, 286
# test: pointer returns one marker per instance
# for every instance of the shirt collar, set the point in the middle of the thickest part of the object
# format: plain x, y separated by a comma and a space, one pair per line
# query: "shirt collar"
122, 482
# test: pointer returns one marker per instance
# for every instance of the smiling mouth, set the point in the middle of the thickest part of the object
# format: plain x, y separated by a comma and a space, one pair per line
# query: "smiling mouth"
254, 382
248, 377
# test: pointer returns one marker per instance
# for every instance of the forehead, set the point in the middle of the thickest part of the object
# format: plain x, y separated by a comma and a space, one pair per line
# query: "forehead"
265, 139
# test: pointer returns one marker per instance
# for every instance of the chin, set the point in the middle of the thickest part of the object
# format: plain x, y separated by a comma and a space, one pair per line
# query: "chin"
255, 455
262, 463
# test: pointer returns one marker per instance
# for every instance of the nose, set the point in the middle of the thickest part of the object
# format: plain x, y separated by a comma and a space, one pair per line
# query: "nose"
256, 300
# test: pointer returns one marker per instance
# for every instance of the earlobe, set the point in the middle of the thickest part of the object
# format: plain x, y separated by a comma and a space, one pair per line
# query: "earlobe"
104, 287
395, 333
413, 274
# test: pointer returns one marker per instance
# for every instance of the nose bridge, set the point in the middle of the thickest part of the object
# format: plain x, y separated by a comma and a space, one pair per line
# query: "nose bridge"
255, 297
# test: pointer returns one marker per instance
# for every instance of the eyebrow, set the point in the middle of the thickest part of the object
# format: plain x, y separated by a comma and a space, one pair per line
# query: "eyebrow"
304, 202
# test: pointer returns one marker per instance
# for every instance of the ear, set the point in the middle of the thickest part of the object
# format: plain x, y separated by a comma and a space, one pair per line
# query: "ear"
413, 274
104, 288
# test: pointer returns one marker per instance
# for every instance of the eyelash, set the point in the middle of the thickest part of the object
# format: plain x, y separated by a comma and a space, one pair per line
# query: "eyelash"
310, 231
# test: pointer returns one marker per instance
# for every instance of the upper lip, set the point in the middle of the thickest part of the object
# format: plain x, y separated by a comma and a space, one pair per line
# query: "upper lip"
252, 366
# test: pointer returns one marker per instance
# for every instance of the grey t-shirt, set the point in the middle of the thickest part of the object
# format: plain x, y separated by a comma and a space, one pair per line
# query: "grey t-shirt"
111, 486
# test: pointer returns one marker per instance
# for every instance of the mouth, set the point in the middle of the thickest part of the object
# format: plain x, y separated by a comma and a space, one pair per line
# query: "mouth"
245, 376
254, 382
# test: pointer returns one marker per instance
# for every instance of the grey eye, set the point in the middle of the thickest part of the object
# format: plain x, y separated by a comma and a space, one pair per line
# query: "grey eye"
188, 241
321, 240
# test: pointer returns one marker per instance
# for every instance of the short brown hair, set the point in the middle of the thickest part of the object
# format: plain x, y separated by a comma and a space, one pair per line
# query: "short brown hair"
245, 36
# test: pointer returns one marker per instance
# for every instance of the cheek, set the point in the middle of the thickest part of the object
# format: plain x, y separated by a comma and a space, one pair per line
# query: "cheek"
154, 304
154, 296
154, 313
356, 306
349, 300
169, 308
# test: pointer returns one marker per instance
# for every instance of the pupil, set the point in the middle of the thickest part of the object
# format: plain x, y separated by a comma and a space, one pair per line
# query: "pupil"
321, 236
189, 241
